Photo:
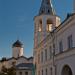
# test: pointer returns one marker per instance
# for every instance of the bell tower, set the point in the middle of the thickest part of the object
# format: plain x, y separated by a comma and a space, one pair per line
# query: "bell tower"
17, 49
45, 22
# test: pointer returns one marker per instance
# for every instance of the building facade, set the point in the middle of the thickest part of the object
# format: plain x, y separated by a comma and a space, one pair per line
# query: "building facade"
54, 42
22, 64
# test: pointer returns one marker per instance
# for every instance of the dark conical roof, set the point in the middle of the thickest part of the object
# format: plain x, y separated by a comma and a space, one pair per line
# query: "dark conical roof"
46, 8
17, 44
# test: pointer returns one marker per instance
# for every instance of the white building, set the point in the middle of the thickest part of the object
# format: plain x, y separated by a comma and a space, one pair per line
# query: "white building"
24, 65
54, 42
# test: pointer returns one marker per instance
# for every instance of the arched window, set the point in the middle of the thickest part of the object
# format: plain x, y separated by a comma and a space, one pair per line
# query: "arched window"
49, 25
26, 73
40, 25
66, 70
46, 71
20, 73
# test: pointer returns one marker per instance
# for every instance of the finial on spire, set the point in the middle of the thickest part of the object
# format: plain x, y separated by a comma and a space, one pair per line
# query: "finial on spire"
46, 8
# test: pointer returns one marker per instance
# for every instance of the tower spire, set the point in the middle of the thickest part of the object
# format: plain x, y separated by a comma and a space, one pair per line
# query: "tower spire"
46, 7
74, 6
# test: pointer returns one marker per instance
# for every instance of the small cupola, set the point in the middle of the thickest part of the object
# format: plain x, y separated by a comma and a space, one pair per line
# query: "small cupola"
17, 44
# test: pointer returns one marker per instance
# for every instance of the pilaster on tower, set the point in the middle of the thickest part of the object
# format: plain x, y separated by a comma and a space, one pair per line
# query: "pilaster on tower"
46, 8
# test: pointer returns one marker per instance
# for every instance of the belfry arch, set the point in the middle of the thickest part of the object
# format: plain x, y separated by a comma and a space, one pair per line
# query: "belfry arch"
40, 25
66, 70
49, 25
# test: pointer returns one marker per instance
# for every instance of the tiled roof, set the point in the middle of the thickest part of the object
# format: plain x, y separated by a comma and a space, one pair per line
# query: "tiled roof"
24, 66
19, 58
8, 59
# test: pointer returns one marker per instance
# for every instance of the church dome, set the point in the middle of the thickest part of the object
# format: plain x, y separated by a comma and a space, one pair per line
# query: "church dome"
17, 44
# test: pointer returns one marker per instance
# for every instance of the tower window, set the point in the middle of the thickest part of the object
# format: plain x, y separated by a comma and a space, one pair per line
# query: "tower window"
42, 11
46, 55
38, 58
41, 56
48, 11
49, 25
50, 52
40, 26
48, 2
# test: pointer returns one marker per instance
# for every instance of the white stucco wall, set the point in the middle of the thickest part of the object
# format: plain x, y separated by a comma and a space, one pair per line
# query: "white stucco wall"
68, 58
17, 52
70, 61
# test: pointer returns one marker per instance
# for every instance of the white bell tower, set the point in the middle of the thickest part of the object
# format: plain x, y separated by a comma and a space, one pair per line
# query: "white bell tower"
17, 49
45, 22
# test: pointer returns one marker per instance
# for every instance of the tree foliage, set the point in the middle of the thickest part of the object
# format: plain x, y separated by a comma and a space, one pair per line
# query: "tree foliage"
9, 71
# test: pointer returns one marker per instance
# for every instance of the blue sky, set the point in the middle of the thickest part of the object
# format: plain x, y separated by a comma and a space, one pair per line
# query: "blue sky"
16, 22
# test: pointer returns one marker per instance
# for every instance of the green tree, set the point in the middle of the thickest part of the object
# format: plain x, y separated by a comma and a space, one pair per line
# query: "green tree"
3, 71
9, 71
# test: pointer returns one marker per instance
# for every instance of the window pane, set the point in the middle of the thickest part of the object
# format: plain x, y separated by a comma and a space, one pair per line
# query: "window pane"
46, 71
41, 56
20, 73
70, 42
49, 27
40, 27
42, 72
26, 73
60, 46
46, 55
